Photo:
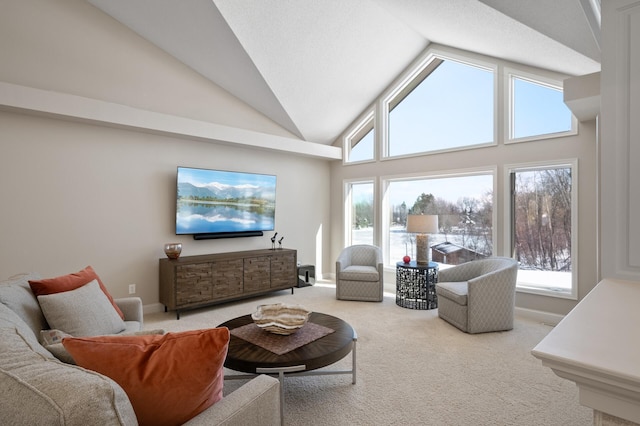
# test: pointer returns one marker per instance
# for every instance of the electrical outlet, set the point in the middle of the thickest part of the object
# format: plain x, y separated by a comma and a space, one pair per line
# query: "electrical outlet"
132, 289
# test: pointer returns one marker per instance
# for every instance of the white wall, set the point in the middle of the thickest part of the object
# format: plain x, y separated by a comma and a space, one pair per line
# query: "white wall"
620, 141
76, 194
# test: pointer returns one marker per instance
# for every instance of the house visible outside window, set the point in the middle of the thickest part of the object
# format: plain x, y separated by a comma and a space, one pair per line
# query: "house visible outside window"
537, 110
360, 212
464, 205
448, 105
360, 144
543, 222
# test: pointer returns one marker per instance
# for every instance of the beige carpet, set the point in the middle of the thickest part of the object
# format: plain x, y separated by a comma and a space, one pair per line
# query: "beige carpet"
413, 369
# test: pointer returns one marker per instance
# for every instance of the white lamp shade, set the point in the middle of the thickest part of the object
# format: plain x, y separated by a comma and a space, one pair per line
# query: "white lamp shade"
422, 224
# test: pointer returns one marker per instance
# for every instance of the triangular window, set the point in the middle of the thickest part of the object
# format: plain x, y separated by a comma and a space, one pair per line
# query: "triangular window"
447, 105
360, 144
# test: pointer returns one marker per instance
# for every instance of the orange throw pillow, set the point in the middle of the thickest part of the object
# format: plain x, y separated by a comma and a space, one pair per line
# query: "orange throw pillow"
169, 378
70, 282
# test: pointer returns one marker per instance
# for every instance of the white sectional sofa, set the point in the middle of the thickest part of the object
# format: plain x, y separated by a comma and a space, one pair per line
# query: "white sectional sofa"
38, 389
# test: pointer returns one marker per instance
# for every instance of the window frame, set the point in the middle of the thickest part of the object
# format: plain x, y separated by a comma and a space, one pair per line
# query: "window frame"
501, 198
511, 73
363, 126
508, 221
348, 203
414, 77
385, 205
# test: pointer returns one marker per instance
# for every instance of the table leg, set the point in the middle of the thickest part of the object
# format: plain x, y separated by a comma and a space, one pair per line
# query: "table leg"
353, 358
280, 371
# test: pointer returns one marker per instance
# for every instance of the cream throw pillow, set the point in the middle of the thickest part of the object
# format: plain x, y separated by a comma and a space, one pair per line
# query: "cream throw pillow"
85, 311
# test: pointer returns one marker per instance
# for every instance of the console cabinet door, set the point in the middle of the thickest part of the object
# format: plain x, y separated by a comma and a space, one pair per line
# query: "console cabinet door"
227, 278
193, 283
283, 270
257, 273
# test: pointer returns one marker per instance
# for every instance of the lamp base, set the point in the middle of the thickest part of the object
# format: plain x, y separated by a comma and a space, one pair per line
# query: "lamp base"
422, 249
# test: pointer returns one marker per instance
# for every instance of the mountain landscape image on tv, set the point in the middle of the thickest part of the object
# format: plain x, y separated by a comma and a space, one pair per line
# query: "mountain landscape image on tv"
218, 201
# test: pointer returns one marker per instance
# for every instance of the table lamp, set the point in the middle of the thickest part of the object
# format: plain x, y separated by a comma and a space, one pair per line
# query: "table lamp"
422, 225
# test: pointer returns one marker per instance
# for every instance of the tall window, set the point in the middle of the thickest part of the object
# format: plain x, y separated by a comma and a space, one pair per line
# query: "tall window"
448, 105
542, 227
448, 102
537, 110
360, 144
359, 205
464, 205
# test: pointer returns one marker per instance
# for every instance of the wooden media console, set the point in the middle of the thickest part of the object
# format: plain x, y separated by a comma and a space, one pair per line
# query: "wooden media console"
194, 281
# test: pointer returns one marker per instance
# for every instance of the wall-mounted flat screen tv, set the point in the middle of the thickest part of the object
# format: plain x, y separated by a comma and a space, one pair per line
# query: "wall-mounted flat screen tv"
220, 203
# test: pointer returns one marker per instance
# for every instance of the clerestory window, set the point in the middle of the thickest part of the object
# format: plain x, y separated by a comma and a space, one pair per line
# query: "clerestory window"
537, 110
448, 105
360, 144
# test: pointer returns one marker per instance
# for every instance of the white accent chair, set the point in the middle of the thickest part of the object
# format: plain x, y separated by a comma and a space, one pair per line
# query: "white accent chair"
359, 273
478, 296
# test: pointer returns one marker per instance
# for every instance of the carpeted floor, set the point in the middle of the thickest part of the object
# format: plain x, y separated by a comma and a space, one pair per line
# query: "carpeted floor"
413, 369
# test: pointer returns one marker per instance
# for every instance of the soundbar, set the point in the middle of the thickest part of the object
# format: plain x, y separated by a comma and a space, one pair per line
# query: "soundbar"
227, 235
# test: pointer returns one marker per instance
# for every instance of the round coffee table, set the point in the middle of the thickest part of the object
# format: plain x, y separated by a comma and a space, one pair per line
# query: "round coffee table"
250, 358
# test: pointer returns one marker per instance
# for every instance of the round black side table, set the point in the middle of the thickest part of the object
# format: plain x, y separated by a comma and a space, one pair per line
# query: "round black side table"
416, 285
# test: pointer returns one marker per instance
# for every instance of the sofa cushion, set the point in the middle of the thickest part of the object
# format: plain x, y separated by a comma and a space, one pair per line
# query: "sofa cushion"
68, 282
44, 391
16, 293
359, 273
169, 378
456, 291
9, 319
85, 311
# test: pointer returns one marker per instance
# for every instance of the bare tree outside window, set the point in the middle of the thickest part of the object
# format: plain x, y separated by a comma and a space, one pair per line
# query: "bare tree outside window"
542, 219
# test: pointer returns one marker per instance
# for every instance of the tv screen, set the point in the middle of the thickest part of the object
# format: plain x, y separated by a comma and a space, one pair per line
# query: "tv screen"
223, 202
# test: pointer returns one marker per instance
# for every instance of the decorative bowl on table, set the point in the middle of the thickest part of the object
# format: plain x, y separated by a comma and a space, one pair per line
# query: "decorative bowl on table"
281, 318
173, 250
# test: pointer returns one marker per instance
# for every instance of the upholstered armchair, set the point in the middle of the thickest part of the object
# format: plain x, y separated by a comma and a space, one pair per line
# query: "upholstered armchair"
359, 273
478, 296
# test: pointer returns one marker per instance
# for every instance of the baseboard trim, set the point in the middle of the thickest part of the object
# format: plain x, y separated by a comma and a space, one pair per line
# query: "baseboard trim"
540, 316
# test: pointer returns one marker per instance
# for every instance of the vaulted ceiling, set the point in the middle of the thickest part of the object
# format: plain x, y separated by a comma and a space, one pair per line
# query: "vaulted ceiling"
313, 66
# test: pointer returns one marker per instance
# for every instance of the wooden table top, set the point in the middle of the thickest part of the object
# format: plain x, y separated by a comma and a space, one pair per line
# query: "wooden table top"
246, 357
